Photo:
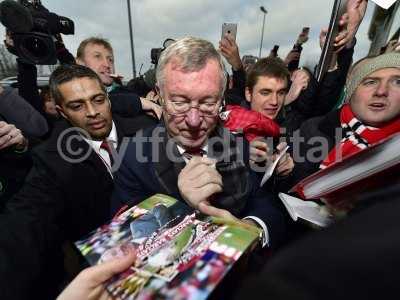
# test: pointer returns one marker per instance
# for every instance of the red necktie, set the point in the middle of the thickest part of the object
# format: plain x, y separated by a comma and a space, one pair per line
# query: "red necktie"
106, 146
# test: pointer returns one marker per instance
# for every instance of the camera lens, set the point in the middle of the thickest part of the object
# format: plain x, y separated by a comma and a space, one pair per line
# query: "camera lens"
35, 48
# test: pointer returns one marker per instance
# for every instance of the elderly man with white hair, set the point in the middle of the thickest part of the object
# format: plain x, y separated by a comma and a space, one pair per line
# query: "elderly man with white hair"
190, 156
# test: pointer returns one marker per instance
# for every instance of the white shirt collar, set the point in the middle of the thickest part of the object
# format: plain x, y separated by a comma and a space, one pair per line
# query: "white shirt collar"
183, 150
112, 137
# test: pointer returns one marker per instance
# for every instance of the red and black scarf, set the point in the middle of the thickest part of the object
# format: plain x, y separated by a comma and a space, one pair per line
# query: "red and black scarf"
357, 136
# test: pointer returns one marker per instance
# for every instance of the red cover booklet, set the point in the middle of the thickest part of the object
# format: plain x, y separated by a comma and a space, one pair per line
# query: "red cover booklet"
344, 182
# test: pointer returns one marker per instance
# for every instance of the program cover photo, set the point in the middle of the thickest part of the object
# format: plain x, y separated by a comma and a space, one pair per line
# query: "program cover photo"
181, 254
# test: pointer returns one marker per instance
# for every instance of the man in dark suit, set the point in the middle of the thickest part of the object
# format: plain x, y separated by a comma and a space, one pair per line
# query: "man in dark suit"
190, 156
66, 194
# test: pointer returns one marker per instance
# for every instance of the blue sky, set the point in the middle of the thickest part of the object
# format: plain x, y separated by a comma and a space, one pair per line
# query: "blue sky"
155, 20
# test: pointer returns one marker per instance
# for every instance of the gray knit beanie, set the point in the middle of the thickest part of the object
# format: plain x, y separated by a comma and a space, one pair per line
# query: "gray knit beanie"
368, 66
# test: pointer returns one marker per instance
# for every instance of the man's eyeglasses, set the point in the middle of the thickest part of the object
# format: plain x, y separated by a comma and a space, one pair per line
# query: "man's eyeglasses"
180, 108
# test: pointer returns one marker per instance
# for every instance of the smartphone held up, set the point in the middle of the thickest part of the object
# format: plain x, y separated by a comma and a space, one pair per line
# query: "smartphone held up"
229, 29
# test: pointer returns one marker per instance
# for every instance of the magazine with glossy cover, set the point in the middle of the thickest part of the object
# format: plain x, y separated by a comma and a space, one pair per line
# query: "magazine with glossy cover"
181, 253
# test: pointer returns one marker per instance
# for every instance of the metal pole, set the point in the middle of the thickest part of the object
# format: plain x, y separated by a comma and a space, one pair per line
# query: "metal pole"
262, 32
131, 37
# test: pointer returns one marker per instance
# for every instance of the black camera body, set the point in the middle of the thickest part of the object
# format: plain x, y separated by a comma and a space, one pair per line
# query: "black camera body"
155, 55
33, 29
156, 52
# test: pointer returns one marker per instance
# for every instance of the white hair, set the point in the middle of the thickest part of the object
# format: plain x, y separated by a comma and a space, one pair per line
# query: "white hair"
192, 54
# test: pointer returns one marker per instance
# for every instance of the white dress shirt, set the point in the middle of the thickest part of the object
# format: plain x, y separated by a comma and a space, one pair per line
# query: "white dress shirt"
111, 139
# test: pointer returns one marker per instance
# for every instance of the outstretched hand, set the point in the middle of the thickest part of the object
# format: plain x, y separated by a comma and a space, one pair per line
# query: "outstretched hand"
89, 284
300, 79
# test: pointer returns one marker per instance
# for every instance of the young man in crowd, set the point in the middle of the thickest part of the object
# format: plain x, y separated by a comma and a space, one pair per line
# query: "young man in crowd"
190, 156
266, 89
372, 113
267, 92
67, 193
97, 54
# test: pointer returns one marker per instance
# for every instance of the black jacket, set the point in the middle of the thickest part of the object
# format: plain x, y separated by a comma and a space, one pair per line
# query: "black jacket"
293, 115
310, 145
60, 201
125, 103
237, 93
319, 98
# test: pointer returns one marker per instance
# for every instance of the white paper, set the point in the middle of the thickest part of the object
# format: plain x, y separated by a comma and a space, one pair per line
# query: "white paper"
271, 167
384, 3
306, 210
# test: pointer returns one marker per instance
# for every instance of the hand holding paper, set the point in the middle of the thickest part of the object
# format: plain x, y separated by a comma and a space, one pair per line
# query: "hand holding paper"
282, 160
285, 162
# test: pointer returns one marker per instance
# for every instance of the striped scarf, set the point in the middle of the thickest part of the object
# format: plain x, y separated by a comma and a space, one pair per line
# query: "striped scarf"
357, 136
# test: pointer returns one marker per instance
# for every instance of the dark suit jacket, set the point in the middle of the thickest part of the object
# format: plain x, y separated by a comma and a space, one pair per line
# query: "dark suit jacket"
60, 201
146, 169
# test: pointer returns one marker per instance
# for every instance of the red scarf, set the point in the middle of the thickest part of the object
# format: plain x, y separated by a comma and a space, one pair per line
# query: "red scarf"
357, 136
253, 124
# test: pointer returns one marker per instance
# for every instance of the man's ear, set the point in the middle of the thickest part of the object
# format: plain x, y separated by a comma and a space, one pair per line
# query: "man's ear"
247, 94
80, 62
61, 111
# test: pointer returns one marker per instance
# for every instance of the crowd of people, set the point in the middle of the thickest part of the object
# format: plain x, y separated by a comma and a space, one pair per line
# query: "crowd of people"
78, 152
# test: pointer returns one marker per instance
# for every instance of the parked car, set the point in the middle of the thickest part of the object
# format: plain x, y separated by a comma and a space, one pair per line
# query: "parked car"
13, 82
